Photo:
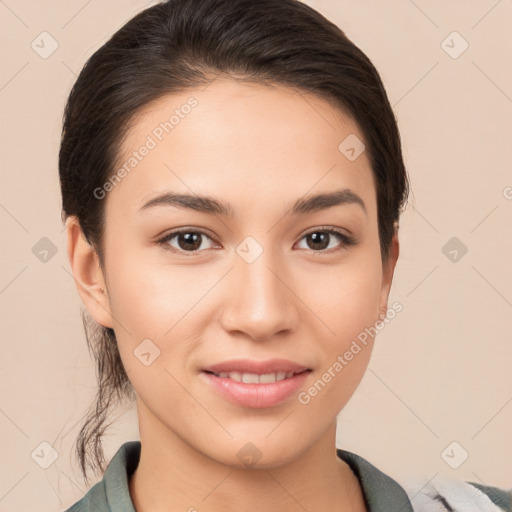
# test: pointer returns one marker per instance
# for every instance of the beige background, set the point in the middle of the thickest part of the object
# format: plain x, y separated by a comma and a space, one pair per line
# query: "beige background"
441, 370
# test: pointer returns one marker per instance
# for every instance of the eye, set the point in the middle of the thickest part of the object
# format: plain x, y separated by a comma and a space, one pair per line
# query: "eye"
319, 239
187, 240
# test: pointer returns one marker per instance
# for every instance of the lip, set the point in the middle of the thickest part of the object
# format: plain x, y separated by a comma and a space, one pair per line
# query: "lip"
258, 367
260, 395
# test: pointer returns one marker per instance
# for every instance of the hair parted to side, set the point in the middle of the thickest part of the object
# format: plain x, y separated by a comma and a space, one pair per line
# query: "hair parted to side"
181, 44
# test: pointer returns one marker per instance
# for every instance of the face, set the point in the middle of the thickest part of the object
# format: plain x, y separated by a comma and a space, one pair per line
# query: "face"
269, 286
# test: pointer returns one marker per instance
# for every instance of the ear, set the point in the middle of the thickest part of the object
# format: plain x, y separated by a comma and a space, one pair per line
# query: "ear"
87, 273
387, 276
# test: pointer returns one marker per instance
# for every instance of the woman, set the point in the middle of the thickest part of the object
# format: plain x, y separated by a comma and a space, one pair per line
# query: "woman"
232, 180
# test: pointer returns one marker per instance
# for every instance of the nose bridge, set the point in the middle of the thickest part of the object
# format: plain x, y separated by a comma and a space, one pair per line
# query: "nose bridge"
261, 302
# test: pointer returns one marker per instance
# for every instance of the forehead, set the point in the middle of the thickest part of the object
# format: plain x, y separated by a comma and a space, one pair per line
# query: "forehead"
247, 143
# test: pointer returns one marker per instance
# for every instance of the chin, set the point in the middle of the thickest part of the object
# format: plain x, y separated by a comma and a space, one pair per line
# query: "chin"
258, 452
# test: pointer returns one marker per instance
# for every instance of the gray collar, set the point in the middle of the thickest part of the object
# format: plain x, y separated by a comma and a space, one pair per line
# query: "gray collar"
381, 492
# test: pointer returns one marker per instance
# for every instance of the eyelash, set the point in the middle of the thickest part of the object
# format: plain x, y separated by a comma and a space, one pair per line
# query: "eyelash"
348, 241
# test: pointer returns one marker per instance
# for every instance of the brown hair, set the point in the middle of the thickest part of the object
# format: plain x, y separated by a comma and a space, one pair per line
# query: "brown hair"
181, 44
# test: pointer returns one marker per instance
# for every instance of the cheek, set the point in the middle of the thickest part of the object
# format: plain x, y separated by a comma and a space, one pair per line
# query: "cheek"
345, 298
150, 298
151, 322
157, 311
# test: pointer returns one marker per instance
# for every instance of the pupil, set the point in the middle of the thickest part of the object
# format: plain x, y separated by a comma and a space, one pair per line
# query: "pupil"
319, 238
189, 239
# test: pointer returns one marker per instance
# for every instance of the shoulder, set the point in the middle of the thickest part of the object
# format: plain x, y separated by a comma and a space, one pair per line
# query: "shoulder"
111, 493
448, 494
438, 494
95, 500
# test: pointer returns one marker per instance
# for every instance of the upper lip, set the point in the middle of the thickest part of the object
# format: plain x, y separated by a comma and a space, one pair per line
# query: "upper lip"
257, 367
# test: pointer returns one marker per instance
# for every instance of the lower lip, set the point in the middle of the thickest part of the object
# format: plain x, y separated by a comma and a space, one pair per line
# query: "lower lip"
256, 395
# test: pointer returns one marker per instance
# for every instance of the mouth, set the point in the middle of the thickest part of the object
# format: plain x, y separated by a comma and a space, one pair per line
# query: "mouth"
256, 384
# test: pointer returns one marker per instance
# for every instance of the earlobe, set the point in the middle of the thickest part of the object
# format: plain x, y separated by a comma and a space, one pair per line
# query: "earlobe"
387, 276
88, 275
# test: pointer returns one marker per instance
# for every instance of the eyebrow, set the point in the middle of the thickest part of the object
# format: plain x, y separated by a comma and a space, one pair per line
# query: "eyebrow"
207, 204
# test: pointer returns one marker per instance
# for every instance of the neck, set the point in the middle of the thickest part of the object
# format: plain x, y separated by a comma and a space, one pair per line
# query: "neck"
172, 475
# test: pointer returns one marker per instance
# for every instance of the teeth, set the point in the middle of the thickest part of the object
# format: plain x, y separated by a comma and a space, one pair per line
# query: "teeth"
250, 378
253, 378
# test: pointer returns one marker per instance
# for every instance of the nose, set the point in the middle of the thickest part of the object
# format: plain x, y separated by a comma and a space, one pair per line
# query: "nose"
260, 301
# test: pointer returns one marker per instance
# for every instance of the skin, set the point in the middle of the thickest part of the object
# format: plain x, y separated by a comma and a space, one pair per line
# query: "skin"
258, 148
